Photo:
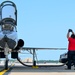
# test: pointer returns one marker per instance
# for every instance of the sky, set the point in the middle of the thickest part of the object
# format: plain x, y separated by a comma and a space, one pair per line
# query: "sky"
44, 23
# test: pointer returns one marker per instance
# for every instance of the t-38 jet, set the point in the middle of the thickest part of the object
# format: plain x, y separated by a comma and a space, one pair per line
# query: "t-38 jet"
8, 31
9, 42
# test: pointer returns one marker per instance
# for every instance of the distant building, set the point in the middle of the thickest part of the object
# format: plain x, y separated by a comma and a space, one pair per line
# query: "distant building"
28, 60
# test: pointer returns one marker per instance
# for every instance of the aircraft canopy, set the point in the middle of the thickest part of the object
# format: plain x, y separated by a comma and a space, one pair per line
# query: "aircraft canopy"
8, 13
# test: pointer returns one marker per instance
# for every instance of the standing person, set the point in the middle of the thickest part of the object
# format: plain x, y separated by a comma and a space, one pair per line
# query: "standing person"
71, 48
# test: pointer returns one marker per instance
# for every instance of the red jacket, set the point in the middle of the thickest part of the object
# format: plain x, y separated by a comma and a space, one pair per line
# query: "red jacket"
71, 44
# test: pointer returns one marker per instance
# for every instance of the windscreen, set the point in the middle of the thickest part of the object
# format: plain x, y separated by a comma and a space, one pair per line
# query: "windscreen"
8, 12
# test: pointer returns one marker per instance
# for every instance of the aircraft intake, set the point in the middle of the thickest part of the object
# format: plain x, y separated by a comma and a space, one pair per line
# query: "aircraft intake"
20, 44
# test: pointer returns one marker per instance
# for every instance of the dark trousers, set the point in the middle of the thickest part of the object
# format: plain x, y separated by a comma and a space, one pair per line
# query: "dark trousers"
71, 58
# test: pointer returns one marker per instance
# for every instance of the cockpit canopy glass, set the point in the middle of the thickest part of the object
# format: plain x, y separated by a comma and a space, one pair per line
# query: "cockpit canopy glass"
8, 12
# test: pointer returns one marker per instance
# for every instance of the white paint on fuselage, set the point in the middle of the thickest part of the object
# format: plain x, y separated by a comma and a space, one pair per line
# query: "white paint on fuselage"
10, 35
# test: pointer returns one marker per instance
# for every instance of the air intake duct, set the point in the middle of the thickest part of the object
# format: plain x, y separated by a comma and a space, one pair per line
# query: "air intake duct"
20, 44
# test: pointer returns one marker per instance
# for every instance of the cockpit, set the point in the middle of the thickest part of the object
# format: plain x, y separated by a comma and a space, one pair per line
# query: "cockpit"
8, 16
7, 27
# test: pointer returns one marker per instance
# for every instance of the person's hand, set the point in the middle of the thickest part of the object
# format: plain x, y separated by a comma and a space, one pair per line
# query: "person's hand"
70, 30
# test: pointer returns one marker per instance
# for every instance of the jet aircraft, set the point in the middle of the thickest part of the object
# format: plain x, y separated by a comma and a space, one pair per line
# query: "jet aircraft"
8, 30
9, 42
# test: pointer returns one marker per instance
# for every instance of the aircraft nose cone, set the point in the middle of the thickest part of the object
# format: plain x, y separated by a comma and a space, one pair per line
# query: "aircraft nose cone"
11, 43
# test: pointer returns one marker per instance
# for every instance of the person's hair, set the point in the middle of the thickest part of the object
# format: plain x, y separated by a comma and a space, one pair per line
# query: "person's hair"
73, 36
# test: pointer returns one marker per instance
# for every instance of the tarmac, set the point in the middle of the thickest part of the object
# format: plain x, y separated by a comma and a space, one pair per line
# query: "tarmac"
18, 69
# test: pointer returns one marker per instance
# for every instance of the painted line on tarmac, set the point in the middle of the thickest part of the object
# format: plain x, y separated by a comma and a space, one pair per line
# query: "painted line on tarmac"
1, 73
5, 72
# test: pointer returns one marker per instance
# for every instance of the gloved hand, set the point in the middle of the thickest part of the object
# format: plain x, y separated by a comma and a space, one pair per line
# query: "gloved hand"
70, 30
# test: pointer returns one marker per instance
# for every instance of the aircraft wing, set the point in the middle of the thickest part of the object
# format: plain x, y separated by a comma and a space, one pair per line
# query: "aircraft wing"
36, 48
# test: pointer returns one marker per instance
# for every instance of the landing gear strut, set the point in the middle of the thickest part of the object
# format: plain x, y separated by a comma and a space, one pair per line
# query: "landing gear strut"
6, 51
6, 63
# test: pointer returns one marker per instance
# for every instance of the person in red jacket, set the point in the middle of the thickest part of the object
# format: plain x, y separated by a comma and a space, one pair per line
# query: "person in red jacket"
71, 48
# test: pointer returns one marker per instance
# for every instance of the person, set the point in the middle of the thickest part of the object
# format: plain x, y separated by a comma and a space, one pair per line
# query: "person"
71, 48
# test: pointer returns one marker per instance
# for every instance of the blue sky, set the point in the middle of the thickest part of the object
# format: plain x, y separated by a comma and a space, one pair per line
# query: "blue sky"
44, 23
